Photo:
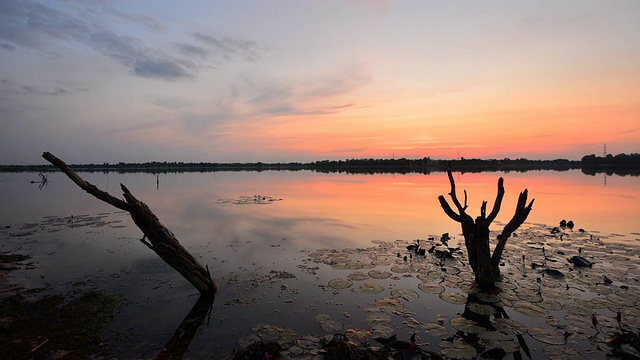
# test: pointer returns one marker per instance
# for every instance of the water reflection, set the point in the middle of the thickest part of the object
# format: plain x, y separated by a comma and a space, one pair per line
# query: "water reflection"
243, 244
179, 343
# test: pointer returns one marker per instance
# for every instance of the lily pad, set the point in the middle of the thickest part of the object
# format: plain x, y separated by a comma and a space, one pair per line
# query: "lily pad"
429, 276
481, 309
435, 329
431, 288
530, 309
405, 294
270, 332
488, 297
557, 352
466, 325
509, 326
340, 284
496, 339
378, 318
357, 333
547, 336
358, 276
371, 288
401, 269
453, 298
379, 274
551, 304
329, 324
389, 304
457, 349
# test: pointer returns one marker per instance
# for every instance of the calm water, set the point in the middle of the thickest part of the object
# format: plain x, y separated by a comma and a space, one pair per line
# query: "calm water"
245, 240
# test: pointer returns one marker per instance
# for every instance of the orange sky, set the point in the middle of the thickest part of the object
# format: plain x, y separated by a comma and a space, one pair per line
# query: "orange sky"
222, 82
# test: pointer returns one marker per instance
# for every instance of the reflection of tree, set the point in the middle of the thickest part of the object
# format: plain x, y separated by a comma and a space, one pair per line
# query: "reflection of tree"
484, 321
182, 337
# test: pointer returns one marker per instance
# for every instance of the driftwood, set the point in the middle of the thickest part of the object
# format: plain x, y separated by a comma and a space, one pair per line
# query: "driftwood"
156, 236
485, 265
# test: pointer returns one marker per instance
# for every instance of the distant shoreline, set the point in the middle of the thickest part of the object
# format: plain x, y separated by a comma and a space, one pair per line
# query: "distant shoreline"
620, 164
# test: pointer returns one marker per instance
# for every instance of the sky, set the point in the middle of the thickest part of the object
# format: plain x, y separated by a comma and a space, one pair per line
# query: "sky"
96, 81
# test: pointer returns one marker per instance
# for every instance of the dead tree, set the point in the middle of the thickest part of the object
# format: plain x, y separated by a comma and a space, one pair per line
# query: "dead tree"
485, 265
156, 236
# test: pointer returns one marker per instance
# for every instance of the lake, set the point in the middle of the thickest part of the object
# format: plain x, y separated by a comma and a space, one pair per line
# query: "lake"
274, 241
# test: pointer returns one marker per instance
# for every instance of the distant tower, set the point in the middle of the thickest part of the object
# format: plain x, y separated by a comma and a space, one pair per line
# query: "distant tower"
605, 150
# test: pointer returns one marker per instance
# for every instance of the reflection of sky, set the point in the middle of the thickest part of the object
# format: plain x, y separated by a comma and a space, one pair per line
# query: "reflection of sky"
324, 210
249, 241
316, 211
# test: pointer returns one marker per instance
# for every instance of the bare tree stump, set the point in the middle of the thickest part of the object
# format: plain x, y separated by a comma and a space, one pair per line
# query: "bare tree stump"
485, 265
159, 238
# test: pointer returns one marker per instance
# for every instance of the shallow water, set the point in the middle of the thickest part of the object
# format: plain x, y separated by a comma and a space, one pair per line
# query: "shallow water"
275, 240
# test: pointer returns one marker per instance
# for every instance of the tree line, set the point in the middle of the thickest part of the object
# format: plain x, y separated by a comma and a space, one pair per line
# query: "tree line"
622, 164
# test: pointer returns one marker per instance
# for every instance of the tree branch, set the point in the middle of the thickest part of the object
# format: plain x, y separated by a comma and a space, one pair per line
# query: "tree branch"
160, 239
453, 195
448, 210
85, 185
520, 216
498, 203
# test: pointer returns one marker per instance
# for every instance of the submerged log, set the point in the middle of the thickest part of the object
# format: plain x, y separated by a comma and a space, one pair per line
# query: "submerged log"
156, 236
484, 264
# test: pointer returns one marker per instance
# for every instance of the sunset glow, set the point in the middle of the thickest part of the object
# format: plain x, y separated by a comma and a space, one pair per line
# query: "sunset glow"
285, 81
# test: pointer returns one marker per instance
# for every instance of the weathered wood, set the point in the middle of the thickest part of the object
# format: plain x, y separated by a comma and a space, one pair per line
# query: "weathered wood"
160, 239
485, 265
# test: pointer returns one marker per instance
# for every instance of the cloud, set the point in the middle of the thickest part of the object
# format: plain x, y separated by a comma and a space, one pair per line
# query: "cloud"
32, 25
56, 88
251, 101
141, 60
7, 46
229, 48
193, 50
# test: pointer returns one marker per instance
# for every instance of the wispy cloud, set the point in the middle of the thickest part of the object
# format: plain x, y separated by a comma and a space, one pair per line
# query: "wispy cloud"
252, 99
229, 48
56, 88
32, 25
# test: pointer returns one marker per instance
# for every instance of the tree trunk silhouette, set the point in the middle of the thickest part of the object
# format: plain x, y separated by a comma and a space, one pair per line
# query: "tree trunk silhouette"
160, 239
485, 265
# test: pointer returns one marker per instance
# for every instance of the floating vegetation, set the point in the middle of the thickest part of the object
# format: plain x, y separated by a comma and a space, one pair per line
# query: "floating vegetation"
388, 296
498, 340
270, 332
557, 352
329, 324
389, 305
340, 284
481, 309
509, 326
453, 298
547, 336
467, 325
250, 200
378, 318
405, 294
379, 274
431, 288
358, 276
371, 288
530, 309
435, 329
457, 349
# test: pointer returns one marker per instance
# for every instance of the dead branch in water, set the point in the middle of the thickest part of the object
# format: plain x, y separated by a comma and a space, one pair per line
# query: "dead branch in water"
160, 239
